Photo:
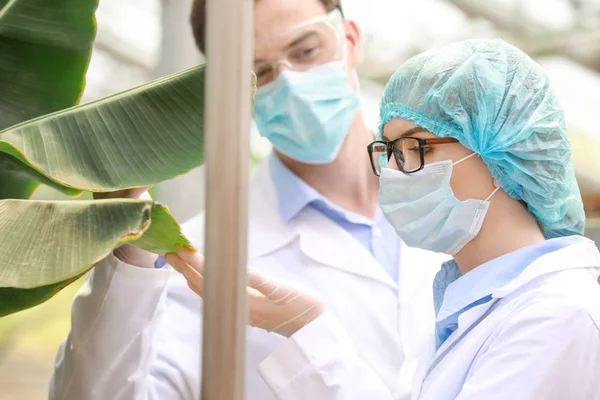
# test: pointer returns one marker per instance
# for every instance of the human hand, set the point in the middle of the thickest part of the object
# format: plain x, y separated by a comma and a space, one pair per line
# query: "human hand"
274, 305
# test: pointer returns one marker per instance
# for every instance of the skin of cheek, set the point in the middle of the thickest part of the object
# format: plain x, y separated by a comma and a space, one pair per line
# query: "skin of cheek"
471, 179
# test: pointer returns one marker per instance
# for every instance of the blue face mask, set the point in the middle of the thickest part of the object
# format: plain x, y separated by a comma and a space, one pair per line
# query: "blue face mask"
424, 211
307, 115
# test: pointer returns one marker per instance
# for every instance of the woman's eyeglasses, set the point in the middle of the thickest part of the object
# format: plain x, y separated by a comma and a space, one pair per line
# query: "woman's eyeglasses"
409, 152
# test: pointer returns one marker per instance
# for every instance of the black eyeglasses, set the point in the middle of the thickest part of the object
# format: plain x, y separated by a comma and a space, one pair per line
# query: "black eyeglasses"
409, 152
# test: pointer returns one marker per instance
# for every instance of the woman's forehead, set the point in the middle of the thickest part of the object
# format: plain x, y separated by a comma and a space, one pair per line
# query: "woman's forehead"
398, 127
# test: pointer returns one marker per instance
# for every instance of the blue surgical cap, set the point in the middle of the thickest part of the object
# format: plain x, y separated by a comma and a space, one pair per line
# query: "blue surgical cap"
499, 103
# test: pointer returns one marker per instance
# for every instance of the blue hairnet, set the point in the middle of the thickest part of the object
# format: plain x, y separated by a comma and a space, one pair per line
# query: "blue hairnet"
499, 103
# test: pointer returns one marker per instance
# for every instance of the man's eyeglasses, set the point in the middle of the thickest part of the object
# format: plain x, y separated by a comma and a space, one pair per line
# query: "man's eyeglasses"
307, 45
409, 152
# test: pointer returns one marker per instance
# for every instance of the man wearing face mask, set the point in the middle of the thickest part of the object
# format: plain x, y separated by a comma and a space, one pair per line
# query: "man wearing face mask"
314, 220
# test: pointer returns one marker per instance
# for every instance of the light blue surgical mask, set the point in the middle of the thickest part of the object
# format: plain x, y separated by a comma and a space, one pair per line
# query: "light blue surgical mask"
307, 115
424, 211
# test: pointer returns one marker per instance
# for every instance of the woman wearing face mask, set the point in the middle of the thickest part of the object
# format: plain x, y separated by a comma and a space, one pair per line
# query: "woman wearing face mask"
474, 161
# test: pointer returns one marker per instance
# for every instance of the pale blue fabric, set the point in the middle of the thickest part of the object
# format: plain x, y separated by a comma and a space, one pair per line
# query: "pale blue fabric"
424, 211
500, 104
378, 236
160, 262
307, 115
454, 293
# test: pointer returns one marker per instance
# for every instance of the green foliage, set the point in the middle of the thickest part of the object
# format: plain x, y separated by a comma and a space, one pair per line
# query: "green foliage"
132, 139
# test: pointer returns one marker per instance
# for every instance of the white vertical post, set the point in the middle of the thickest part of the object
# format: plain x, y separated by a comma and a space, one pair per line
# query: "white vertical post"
228, 107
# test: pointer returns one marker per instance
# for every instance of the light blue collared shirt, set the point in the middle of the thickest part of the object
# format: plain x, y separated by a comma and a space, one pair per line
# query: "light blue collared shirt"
454, 293
377, 236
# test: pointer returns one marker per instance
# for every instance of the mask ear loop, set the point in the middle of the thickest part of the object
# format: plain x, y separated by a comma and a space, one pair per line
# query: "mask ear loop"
466, 158
493, 193
463, 159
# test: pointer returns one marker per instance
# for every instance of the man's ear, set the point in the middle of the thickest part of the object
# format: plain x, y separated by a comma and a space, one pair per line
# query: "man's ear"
353, 43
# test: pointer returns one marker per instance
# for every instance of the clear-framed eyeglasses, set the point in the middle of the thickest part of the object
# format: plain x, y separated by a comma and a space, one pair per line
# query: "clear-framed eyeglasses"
309, 44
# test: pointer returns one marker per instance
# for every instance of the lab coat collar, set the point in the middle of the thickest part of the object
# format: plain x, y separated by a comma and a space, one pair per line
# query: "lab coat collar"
583, 254
325, 242
317, 234
576, 256
267, 231
459, 291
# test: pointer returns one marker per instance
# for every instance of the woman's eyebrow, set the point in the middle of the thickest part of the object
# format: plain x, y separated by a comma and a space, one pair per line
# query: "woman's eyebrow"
414, 130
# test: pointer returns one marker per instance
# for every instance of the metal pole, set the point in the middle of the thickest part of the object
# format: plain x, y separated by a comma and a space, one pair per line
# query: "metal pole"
228, 106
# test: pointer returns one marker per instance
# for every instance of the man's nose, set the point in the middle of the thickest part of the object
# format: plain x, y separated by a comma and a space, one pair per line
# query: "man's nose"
281, 65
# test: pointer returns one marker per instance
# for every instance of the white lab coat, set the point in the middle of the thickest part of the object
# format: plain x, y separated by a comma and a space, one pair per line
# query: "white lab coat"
136, 332
540, 341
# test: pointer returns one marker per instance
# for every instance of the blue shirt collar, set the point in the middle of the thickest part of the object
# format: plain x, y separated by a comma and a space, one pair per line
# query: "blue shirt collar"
294, 195
376, 236
458, 291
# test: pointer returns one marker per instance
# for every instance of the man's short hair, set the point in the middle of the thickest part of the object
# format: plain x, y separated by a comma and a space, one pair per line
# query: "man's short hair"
198, 19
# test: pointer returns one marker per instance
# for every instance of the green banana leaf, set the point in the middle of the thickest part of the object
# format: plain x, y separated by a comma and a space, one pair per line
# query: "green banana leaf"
45, 48
132, 139
136, 138
46, 245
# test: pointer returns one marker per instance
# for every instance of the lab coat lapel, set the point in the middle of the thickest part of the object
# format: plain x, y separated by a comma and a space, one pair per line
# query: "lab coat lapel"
417, 269
267, 231
415, 286
328, 244
579, 255
423, 365
465, 320
321, 239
